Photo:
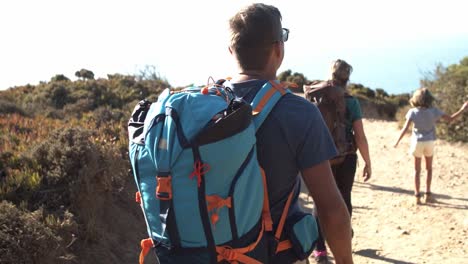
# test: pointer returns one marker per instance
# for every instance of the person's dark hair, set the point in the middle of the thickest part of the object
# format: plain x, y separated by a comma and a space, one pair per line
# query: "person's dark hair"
253, 31
341, 71
422, 98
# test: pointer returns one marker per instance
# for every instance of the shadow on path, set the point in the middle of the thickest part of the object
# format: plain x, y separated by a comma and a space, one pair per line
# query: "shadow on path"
383, 188
437, 197
372, 253
359, 209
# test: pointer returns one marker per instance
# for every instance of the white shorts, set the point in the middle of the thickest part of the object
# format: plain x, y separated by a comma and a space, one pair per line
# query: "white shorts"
422, 148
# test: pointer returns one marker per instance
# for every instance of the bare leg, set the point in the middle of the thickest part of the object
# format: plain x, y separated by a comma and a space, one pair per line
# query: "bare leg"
428, 197
417, 174
429, 174
417, 182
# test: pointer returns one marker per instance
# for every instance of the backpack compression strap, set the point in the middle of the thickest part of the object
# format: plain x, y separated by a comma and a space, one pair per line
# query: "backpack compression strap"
239, 254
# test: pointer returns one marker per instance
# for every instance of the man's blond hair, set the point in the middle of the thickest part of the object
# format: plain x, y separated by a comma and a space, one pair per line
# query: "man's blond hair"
253, 31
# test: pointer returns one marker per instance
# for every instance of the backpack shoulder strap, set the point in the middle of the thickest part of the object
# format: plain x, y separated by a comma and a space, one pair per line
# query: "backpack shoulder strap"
266, 99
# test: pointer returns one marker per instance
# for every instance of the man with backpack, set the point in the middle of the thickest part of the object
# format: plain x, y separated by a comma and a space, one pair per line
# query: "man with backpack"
216, 168
293, 138
343, 116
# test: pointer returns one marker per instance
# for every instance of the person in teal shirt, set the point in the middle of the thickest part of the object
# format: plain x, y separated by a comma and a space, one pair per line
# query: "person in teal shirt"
344, 172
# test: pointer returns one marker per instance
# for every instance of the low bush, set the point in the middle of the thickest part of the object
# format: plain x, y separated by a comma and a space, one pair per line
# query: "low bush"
7, 107
25, 236
71, 164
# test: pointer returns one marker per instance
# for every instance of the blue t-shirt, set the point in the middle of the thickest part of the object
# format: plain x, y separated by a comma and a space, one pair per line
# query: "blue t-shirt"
292, 138
424, 120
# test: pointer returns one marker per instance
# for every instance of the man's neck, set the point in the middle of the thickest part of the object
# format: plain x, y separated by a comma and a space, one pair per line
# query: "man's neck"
340, 83
254, 75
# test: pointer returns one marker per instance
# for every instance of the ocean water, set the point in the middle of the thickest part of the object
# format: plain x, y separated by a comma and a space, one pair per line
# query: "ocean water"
397, 67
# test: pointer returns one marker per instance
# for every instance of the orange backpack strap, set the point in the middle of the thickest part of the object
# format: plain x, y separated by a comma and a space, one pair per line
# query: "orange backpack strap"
275, 87
138, 197
266, 215
285, 244
146, 245
282, 221
234, 255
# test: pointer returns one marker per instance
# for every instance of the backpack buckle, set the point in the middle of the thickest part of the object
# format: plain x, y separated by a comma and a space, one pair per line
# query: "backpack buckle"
164, 187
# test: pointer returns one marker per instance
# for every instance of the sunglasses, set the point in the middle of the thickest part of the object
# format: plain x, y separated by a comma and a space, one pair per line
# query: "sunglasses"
284, 35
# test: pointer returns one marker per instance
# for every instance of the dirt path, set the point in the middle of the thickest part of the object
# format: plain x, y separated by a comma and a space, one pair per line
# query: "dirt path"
388, 226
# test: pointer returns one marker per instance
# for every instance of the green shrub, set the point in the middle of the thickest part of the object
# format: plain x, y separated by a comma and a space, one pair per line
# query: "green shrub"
298, 78
61, 98
58, 96
379, 92
103, 115
80, 107
449, 85
85, 74
357, 88
59, 78
401, 115
399, 99
376, 108
25, 238
7, 107
71, 164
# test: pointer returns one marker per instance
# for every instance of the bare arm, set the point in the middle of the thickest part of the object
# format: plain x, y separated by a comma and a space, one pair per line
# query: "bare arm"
450, 118
331, 209
363, 146
403, 132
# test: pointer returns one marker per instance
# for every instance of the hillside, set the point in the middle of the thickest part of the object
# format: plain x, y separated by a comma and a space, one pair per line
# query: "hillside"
64, 173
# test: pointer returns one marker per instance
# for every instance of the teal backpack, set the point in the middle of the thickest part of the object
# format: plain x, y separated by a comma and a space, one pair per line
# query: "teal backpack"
200, 186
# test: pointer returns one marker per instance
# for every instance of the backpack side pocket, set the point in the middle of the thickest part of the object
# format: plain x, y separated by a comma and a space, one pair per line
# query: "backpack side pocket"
301, 229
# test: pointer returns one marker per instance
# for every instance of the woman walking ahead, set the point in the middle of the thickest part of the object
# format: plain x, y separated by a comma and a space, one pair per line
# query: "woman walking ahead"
424, 118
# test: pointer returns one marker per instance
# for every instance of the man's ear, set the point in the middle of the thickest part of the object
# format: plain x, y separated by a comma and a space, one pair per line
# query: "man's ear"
230, 50
277, 49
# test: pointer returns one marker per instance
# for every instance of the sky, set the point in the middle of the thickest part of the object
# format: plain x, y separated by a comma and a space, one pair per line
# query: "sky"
391, 44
